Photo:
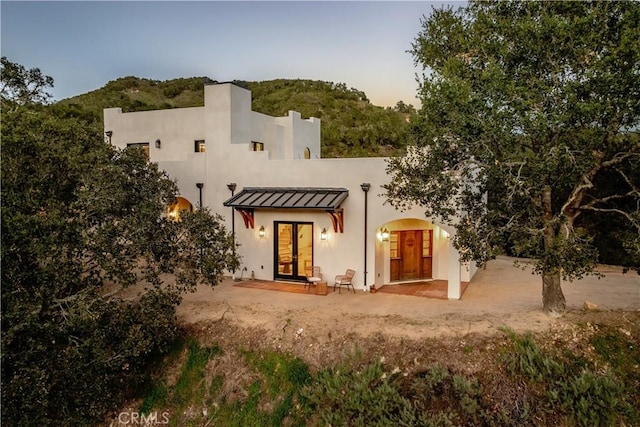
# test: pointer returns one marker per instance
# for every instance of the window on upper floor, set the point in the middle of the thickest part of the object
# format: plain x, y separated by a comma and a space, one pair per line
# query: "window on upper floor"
142, 145
257, 146
199, 146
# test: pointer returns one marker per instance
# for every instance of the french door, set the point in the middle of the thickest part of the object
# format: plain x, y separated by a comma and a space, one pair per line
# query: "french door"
293, 249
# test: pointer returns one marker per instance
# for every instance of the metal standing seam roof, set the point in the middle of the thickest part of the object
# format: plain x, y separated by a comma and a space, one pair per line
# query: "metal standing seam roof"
327, 199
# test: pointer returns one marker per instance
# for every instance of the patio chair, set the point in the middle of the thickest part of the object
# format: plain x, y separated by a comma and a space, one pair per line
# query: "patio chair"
313, 276
345, 280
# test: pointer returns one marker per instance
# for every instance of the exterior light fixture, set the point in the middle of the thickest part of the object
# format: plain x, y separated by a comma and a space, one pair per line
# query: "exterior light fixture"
199, 185
261, 232
384, 233
158, 143
323, 234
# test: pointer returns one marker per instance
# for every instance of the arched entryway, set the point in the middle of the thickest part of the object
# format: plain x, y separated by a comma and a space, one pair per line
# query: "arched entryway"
180, 205
411, 250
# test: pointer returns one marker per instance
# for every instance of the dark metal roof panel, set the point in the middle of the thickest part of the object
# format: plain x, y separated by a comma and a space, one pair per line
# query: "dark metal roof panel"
309, 198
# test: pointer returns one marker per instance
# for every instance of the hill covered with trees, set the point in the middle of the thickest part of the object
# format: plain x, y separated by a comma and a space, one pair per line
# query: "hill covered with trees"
351, 125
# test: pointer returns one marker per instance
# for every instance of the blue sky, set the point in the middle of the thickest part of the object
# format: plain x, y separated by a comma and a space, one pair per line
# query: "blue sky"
83, 45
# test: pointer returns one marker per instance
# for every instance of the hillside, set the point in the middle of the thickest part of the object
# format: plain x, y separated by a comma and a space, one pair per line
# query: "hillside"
351, 125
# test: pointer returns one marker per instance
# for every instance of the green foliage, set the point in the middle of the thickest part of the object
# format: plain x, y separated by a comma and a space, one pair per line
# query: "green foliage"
589, 399
136, 94
73, 373
351, 125
621, 352
528, 385
21, 86
191, 385
356, 395
445, 395
535, 105
616, 349
281, 372
81, 220
198, 396
529, 360
270, 400
283, 377
157, 397
567, 388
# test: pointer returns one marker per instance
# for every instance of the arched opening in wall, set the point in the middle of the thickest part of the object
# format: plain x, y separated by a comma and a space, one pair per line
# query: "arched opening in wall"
180, 205
410, 250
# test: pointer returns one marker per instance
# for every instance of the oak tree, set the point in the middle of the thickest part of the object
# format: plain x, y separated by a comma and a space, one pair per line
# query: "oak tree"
81, 220
529, 121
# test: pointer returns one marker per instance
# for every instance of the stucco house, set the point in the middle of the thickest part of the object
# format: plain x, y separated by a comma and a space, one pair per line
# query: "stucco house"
288, 207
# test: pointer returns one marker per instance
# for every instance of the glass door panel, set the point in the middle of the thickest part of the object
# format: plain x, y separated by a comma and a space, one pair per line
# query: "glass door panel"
305, 248
284, 249
293, 249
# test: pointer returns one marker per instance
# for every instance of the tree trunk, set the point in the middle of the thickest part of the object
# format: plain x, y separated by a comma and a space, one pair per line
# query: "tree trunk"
553, 302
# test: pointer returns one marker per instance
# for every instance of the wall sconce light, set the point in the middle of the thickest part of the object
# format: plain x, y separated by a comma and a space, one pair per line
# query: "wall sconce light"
323, 234
384, 233
200, 185
158, 143
261, 232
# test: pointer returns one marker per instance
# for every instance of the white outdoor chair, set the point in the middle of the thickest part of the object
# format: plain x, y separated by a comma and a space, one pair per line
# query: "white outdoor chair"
313, 276
345, 280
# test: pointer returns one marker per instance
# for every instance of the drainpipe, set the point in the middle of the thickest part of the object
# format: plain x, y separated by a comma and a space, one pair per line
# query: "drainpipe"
232, 188
365, 187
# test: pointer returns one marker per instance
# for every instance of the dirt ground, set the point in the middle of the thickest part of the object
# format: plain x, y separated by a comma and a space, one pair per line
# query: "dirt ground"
408, 333
320, 328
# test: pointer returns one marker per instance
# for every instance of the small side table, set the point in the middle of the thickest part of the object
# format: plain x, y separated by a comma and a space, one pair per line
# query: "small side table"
321, 288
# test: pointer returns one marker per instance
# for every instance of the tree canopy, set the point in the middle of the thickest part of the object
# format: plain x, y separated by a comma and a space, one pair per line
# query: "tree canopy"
535, 106
81, 220
22, 86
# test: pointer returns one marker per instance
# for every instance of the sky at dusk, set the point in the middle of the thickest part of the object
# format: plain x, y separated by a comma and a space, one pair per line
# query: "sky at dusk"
83, 45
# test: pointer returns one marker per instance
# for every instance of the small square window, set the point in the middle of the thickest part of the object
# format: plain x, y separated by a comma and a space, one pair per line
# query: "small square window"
143, 145
257, 146
200, 146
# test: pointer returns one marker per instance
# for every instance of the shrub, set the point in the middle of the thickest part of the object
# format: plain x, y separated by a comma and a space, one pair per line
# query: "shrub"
566, 386
357, 396
442, 396
100, 360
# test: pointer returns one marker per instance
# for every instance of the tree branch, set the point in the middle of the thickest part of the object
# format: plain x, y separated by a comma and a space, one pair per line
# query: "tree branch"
594, 202
627, 215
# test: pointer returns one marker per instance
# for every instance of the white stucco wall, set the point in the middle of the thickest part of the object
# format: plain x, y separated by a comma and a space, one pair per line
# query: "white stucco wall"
176, 129
228, 126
